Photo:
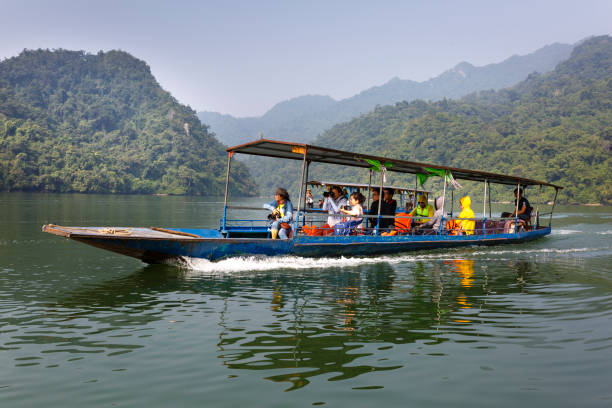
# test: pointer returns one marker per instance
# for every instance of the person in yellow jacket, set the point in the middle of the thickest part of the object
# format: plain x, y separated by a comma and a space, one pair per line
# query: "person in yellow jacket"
422, 210
466, 226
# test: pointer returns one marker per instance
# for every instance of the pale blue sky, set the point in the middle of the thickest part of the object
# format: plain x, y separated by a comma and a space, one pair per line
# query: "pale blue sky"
242, 57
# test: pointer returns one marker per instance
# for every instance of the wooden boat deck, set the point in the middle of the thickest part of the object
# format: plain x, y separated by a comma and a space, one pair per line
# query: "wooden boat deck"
154, 233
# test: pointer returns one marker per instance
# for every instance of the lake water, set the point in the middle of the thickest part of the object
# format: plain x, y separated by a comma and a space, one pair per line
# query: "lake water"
514, 325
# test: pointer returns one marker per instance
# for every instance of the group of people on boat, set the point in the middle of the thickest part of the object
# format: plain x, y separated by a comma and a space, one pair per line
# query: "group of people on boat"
346, 216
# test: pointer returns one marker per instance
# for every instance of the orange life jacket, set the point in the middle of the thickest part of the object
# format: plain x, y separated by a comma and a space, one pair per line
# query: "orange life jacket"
402, 224
453, 227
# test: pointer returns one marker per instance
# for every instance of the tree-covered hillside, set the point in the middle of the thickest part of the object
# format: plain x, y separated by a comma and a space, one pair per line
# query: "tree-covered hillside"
77, 122
555, 127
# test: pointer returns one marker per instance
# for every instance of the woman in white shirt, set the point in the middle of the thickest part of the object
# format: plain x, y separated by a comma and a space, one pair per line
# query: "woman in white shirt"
332, 205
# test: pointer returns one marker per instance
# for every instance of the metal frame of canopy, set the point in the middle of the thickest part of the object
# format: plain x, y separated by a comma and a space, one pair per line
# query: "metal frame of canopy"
361, 186
369, 187
317, 154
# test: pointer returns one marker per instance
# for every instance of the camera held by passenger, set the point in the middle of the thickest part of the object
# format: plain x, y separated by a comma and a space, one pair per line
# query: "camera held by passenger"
271, 217
346, 207
326, 194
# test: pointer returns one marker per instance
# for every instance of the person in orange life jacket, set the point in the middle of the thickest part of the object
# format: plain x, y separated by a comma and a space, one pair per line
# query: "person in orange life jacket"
402, 222
282, 213
356, 212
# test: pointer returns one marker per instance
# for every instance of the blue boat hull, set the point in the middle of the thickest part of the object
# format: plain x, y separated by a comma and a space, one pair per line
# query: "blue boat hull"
217, 247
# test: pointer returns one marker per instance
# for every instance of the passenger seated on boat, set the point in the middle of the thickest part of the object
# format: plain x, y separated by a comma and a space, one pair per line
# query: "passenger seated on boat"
332, 204
463, 226
510, 227
524, 208
402, 222
466, 227
433, 225
309, 198
409, 205
423, 209
356, 216
282, 214
391, 204
385, 209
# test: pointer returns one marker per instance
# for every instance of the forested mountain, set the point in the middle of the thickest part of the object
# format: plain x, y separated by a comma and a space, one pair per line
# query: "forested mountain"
77, 122
303, 118
555, 127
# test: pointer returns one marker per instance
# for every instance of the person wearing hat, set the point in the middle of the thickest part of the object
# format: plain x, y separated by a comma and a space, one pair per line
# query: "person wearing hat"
423, 209
282, 214
433, 225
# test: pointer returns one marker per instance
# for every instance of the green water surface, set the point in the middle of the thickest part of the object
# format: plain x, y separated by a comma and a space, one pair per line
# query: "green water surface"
514, 325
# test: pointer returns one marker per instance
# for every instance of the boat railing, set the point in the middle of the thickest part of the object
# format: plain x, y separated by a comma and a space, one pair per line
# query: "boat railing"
448, 226
242, 207
244, 222
311, 221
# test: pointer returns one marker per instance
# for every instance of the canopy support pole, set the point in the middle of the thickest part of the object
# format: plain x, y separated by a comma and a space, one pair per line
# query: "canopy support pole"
369, 194
518, 194
489, 183
452, 202
305, 188
380, 200
229, 161
296, 222
443, 202
484, 210
416, 187
553, 207
537, 214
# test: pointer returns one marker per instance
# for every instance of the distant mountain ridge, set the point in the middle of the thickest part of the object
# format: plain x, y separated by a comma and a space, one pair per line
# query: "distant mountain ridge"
71, 121
303, 118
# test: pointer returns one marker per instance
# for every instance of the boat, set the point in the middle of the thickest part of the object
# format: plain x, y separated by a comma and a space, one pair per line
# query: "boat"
238, 237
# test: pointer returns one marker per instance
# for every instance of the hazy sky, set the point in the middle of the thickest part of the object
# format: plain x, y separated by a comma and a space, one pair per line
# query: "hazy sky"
242, 57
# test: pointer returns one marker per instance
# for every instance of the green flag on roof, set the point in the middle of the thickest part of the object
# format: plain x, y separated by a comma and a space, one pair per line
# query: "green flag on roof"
377, 165
423, 177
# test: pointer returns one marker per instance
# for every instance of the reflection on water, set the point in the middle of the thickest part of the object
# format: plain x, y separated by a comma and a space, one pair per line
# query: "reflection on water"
313, 324
464, 269
291, 327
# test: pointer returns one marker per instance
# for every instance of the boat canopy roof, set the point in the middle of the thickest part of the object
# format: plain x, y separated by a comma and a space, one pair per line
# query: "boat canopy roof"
362, 185
318, 154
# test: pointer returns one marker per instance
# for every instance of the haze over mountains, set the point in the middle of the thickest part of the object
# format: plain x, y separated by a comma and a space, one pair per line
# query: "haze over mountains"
304, 117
